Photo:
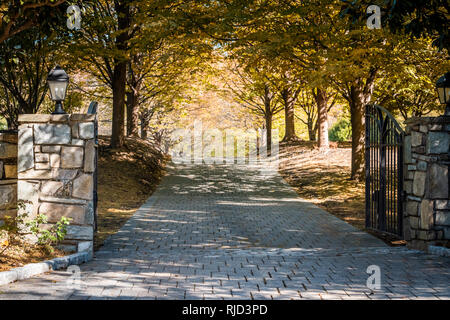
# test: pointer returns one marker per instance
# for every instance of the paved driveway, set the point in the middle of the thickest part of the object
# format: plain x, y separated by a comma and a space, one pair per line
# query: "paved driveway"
239, 232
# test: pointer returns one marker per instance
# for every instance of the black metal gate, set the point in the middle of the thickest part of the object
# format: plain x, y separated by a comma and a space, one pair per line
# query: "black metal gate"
93, 110
384, 172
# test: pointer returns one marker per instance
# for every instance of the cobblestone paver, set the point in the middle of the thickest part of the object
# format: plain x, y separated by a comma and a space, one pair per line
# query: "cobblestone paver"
239, 232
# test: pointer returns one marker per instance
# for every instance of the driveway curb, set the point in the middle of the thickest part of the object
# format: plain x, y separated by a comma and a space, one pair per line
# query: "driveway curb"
33, 269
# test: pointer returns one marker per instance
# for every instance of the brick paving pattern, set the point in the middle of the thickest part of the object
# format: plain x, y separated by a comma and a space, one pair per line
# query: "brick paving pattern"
239, 232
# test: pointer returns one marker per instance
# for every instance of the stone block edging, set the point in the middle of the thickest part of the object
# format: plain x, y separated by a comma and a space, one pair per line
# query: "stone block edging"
439, 251
34, 269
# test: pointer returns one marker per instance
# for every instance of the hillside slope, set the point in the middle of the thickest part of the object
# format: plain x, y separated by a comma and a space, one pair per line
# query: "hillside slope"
126, 178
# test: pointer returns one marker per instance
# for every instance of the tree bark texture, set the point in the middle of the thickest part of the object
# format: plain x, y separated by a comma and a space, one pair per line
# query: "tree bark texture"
120, 74
321, 98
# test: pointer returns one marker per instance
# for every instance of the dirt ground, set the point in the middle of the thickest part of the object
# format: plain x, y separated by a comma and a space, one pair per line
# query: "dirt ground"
324, 179
126, 178
19, 253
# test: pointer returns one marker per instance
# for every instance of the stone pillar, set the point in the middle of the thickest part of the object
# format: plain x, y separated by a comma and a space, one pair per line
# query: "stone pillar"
56, 167
8, 174
427, 205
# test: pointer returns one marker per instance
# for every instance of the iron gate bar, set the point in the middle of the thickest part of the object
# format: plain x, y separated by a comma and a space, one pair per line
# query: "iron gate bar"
93, 110
384, 171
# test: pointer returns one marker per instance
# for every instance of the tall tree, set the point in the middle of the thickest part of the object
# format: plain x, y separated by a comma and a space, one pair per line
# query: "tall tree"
307, 104
127, 45
416, 18
25, 60
119, 79
289, 89
254, 91
289, 97
408, 87
322, 97
20, 15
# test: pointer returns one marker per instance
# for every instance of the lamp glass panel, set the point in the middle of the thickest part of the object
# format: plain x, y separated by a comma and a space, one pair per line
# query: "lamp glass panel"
57, 90
447, 95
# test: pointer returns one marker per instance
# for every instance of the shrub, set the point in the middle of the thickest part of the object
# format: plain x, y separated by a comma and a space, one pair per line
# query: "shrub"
12, 229
48, 237
340, 131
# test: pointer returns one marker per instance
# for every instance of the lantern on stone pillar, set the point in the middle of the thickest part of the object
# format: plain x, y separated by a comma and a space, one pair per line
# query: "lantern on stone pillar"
57, 82
443, 89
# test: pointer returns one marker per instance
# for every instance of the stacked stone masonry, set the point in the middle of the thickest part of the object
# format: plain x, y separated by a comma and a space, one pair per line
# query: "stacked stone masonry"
56, 167
426, 183
8, 175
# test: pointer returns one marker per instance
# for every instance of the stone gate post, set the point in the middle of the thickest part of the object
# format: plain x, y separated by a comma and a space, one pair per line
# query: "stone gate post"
56, 164
8, 174
427, 205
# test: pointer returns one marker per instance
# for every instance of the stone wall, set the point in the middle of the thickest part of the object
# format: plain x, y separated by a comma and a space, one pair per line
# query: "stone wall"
8, 174
56, 167
427, 205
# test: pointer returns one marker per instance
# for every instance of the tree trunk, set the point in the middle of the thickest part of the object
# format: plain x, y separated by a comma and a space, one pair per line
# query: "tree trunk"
132, 114
289, 116
120, 74
144, 134
359, 96
135, 118
322, 106
357, 119
268, 115
129, 107
134, 84
311, 129
268, 118
144, 125
118, 117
